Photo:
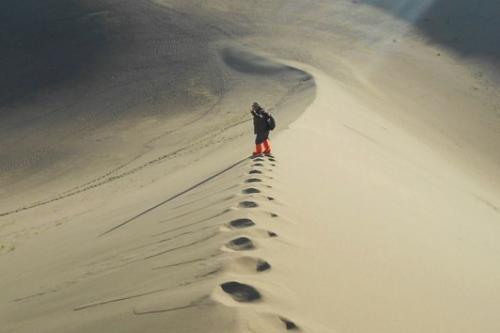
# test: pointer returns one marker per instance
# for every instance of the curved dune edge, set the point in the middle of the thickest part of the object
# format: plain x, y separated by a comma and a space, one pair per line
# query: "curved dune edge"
414, 268
322, 236
291, 252
240, 60
379, 212
152, 257
383, 224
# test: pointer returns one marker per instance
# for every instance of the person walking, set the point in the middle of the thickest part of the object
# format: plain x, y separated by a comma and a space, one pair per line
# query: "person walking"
263, 123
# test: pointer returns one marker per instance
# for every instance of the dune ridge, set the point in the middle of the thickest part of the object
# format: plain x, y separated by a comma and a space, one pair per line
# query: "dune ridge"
191, 242
128, 202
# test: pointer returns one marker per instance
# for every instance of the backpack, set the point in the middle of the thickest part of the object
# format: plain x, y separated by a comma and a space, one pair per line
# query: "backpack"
271, 123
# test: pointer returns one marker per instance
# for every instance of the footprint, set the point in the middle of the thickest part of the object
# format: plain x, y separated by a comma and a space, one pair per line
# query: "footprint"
248, 204
241, 244
274, 215
270, 198
271, 159
255, 172
257, 164
272, 234
241, 223
249, 265
250, 190
253, 180
262, 266
259, 159
290, 325
241, 292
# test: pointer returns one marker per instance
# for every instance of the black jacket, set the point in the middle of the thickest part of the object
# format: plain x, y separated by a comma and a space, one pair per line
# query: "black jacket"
260, 121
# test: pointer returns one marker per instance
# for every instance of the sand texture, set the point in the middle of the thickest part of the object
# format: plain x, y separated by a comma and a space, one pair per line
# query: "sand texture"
129, 201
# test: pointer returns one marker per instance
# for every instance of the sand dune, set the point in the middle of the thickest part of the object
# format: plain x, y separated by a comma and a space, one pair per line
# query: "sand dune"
471, 29
129, 203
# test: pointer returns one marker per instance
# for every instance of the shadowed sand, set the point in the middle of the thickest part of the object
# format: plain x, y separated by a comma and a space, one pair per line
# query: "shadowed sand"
129, 202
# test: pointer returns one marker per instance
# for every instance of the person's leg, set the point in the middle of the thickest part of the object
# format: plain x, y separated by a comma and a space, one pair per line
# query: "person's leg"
267, 144
258, 144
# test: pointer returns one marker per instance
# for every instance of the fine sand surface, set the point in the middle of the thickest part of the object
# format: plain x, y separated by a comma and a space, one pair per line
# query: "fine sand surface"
128, 202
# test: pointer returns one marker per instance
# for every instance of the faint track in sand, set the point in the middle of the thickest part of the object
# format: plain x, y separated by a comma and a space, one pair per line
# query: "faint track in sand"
107, 178
94, 185
239, 59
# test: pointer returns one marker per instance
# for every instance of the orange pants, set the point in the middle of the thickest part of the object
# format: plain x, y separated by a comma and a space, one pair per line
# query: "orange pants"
262, 139
267, 147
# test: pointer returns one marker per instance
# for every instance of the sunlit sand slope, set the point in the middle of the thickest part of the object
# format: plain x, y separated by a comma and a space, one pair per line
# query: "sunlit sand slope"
129, 202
